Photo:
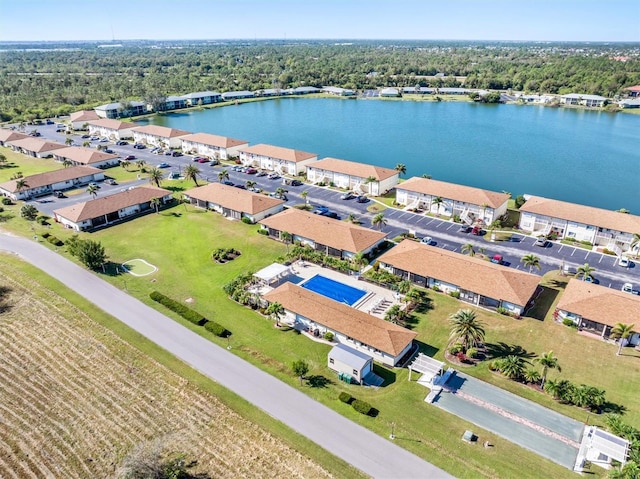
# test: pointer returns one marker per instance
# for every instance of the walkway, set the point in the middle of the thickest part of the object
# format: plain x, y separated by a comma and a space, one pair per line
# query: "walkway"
365, 450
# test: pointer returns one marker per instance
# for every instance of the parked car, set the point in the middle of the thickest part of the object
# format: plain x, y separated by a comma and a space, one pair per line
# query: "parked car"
176, 154
261, 173
163, 165
108, 150
362, 199
464, 229
139, 146
273, 176
203, 160
426, 240
296, 183
93, 183
624, 262
476, 231
58, 194
35, 133
251, 171
227, 182
49, 122
94, 138
320, 210
130, 157
167, 153
110, 181
121, 143
346, 196
85, 136
103, 140
628, 288
541, 241
331, 214
497, 259
241, 186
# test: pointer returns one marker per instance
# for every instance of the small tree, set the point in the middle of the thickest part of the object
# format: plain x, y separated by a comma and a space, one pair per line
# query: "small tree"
68, 141
141, 165
156, 176
223, 175
304, 195
547, 361
468, 249
67, 163
29, 212
286, 237
275, 311
155, 202
379, 220
621, 332
585, 271
300, 368
191, 172
21, 184
92, 190
401, 168
90, 253
437, 201
531, 260
3, 159
125, 164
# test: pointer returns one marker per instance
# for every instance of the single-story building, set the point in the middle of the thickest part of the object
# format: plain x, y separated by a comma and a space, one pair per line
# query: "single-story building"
453, 91
213, 146
115, 110
359, 177
269, 92
343, 359
611, 229
383, 341
629, 103
112, 129
334, 90
202, 98
598, 309
330, 236
161, 136
175, 103
583, 100
469, 203
537, 99
477, 281
35, 147
418, 90
79, 119
306, 90
7, 135
389, 92
601, 448
276, 158
634, 91
46, 183
237, 95
234, 202
107, 210
79, 155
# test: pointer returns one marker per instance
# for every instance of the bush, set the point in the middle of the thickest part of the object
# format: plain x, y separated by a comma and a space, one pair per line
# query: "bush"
187, 313
472, 353
262, 231
45, 235
361, 406
454, 294
54, 241
216, 329
328, 336
455, 349
43, 220
346, 397
29, 212
246, 220
6, 201
569, 322
502, 310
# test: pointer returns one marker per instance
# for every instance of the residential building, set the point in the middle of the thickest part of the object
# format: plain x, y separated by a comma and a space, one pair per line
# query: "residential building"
276, 158
213, 146
328, 235
633, 91
334, 90
112, 129
538, 99
629, 103
359, 177
389, 92
46, 183
35, 147
611, 229
453, 91
116, 110
237, 95
175, 103
469, 203
79, 155
267, 92
7, 135
202, 98
79, 119
418, 90
595, 101
385, 342
476, 280
234, 202
306, 90
597, 309
349, 361
161, 136
106, 210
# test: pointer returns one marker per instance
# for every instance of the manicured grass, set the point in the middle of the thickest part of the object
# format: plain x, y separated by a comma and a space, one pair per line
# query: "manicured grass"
17, 162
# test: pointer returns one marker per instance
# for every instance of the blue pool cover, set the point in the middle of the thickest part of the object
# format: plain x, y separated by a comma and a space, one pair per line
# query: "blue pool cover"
334, 290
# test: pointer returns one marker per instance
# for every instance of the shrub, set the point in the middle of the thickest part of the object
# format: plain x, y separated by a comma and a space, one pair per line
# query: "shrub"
345, 397
454, 294
6, 201
246, 220
1, 209
187, 313
45, 235
29, 212
262, 231
54, 241
328, 336
216, 329
361, 406
43, 220
502, 310
569, 322
519, 201
472, 353
455, 349
435, 288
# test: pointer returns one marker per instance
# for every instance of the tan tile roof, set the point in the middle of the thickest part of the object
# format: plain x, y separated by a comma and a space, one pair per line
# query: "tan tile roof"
214, 140
37, 145
162, 131
83, 115
588, 215
279, 152
353, 168
11, 135
233, 198
378, 333
51, 177
109, 204
452, 191
113, 124
469, 273
327, 231
600, 304
84, 155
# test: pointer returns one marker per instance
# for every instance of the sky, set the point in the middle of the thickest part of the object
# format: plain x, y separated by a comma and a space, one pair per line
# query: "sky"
535, 20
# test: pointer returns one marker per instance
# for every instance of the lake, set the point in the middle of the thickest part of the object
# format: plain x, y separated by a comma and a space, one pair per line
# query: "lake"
586, 157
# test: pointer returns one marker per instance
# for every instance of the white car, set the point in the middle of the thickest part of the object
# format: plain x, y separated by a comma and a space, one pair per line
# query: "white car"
426, 240
627, 288
624, 262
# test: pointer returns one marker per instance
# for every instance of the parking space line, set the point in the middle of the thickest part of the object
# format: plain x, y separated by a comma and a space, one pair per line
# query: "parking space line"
429, 222
586, 255
451, 226
573, 252
602, 256
561, 246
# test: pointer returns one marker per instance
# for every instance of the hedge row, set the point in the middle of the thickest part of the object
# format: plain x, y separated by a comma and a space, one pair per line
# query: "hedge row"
345, 397
361, 406
189, 314
54, 241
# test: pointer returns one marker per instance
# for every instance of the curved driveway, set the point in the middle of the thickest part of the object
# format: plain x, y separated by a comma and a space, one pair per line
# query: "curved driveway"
365, 450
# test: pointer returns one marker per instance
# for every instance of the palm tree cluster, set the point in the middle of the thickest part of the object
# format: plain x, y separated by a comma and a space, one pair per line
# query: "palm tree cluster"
583, 396
631, 470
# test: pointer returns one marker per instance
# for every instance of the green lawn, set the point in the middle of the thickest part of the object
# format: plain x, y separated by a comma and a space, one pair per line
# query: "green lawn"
17, 162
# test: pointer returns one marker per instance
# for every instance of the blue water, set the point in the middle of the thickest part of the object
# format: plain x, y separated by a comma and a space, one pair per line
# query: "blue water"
586, 157
334, 290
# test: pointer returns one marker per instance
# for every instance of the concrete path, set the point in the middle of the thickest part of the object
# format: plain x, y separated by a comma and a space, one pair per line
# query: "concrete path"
368, 452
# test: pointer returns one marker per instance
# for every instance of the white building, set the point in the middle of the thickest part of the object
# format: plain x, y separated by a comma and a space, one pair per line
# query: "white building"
116, 110
35, 147
46, 183
276, 158
583, 100
389, 92
79, 155
161, 136
202, 98
79, 119
359, 177
334, 90
7, 135
212, 146
114, 130
349, 361
450, 199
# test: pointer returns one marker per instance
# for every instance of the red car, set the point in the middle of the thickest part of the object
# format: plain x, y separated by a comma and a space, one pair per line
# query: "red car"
476, 231
129, 157
251, 171
203, 160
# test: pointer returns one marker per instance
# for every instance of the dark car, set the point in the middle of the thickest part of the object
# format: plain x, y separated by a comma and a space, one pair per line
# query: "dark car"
108, 150
464, 229
176, 153
85, 136
139, 146
129, 157
227, 182
120, 143
296, 183
242, 187
331, 214
362, 199
251, 171
58, 194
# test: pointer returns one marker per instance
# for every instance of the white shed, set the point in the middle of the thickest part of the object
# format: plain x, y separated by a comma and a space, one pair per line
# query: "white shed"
343, 359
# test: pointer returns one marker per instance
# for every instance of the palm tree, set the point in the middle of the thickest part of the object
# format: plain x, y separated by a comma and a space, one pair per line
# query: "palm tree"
468, 249
401, 168
281, 192
86, 144
155, 202
92, 190
275, 311
68, 141
155, 176
67, 163
370, 179
531, 260
125, 164
140, 164
547, 361
353, 219
360, 260
21, 184
379, 220
466, 328
585, 271
249, 184
635, 243
191, 172
223, 175
286, 237
436, 201
427, 176
531, 376
621, 331
304, 195
623, 210
513, 366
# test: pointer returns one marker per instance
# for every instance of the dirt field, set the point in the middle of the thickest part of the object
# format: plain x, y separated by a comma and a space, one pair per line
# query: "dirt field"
75, 399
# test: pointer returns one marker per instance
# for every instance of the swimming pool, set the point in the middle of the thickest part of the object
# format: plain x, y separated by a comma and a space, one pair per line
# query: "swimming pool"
334, 290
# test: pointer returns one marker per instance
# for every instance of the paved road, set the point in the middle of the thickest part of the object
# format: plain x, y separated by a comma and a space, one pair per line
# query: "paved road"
372, 454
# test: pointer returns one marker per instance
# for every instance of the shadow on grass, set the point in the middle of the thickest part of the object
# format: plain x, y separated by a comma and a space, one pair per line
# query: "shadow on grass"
4, 292
175, 189
373, 413
424, 306
612, 408
502, 350
318, 381
112, 269
387, 374
426, 349
6, 217
544, 301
